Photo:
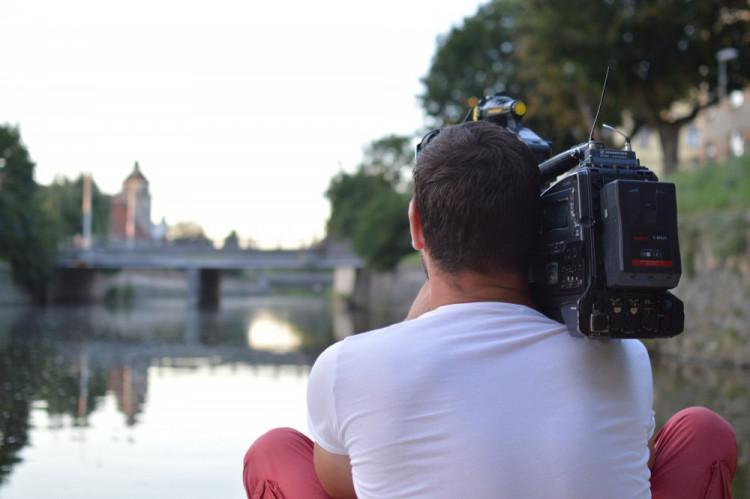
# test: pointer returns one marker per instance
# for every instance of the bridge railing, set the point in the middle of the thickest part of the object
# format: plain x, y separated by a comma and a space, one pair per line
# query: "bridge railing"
206, 257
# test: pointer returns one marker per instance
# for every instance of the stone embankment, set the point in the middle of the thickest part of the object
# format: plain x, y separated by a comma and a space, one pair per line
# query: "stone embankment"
387, 297
715, 288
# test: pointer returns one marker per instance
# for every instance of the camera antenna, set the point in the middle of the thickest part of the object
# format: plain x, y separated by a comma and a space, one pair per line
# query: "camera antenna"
598, 109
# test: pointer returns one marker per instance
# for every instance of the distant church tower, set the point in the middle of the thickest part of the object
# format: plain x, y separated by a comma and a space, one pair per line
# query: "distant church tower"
130, 216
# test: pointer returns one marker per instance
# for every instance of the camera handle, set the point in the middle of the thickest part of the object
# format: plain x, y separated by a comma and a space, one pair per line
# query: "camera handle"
562, 162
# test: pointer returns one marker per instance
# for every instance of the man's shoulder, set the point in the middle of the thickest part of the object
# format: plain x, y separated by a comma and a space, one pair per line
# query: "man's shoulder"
365, 340
386, 334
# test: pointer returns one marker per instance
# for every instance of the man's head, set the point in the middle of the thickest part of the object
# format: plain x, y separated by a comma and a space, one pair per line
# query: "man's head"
476, 190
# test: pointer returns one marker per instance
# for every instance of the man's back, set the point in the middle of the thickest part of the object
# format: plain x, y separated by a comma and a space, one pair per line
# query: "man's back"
485, 400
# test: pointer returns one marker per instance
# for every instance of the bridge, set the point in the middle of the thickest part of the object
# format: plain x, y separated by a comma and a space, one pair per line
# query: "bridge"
78, 267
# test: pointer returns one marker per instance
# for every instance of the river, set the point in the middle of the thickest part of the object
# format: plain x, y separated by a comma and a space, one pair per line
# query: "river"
157, 400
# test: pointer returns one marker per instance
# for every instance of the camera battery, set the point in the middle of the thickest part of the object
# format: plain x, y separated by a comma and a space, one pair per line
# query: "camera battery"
640, 244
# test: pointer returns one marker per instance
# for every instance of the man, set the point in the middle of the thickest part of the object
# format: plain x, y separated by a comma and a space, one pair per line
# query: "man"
480, 395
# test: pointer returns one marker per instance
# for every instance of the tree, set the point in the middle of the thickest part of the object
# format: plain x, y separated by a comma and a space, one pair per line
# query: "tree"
482, 57
187, 234
471, 61
390, 156
348, 193
382, 234
63, 201
232, 241
27, 234
369, 206
662, 53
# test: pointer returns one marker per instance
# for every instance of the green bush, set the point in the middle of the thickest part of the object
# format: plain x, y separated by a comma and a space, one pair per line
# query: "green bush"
713, 202
714, 186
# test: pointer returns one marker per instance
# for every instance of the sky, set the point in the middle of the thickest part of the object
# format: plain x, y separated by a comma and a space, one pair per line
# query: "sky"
239, 113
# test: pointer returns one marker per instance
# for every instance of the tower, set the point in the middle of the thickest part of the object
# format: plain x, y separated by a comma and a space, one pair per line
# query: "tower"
130, 218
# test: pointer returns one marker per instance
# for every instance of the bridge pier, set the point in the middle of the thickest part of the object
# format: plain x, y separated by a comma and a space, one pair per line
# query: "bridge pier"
75, 285
204, 288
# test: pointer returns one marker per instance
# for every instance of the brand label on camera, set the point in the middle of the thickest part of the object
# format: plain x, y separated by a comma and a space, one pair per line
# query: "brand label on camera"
651, 250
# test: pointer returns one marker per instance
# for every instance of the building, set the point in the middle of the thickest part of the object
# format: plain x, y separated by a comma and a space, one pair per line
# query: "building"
725, 128
130, 214
719, 132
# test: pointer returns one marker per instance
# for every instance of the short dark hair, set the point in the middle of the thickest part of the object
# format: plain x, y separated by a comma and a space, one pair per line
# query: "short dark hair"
476, 187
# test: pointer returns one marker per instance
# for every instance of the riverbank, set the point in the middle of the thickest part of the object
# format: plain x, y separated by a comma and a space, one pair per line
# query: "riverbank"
715, 288
9, 292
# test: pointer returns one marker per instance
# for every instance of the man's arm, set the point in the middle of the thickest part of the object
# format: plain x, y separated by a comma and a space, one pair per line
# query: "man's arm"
651, 453
335, 473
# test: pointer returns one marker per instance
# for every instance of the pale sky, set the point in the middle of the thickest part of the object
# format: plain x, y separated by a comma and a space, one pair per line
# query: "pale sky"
238, 112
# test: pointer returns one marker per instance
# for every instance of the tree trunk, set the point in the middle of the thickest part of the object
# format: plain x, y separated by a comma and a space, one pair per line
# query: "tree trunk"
669, 134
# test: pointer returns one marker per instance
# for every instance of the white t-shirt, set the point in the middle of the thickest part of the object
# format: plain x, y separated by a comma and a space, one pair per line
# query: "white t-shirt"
485, 400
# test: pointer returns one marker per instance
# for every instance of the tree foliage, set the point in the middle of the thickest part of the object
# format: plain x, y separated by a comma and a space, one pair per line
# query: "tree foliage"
33, 368
187, 233
382, 234
483, 56
391, 156
63, 201
553, 54
369, 206
473, 60
232, 241
27, 233
348, 194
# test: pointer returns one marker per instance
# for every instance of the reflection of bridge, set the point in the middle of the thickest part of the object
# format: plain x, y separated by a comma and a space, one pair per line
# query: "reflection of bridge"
203, 264
103, 353
125, 366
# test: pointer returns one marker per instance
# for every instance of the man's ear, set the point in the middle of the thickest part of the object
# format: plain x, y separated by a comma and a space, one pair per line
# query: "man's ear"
415, 227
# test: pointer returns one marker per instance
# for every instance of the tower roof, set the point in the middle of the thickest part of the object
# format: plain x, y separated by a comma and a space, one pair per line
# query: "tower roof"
136, 175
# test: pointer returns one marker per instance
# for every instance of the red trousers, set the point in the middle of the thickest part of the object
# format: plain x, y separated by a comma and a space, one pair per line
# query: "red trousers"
695, 457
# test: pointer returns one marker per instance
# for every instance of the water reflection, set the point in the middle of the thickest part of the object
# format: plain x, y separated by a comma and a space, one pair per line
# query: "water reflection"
161, 390
679, 384
66, 362
266, 332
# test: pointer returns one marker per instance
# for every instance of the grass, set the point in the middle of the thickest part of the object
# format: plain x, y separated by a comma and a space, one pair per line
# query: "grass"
713, 202
713, 187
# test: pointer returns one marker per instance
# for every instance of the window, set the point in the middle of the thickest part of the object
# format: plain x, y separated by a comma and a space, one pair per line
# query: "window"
736, 99
736, 143
693, 136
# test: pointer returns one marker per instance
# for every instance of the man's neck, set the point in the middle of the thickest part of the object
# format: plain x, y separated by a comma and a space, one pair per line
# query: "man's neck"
469, 287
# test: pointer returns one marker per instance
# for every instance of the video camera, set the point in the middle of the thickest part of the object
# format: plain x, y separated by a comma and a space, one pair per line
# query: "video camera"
608, 248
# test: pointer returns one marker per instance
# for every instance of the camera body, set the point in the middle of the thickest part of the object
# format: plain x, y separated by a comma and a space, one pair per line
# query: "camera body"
608, 249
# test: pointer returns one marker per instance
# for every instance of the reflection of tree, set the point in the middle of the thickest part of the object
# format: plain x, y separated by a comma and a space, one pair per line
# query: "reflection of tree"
15, 400
219, 328
32, 368
60, 387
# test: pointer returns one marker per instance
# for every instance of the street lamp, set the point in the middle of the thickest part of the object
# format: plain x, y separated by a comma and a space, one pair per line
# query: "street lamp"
722, 56
86, 211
